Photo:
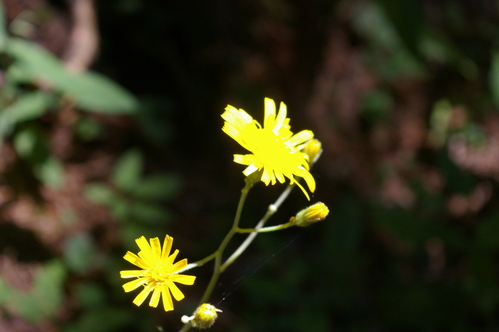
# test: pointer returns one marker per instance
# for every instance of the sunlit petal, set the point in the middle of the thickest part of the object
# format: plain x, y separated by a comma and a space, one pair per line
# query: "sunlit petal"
274, 150
177, 294
134, 284
159, 273
139, 299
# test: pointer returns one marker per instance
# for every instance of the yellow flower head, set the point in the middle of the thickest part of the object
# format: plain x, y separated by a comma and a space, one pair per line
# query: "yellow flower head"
274, 149
158, 274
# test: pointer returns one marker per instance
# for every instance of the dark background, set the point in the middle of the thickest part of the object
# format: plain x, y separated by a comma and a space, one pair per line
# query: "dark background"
403, 95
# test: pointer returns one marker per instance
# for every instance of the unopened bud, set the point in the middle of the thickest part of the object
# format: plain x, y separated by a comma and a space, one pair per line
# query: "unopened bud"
311, 215
203, 318
313, 149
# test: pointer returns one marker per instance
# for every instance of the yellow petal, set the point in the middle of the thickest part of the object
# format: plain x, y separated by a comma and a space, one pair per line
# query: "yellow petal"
131, 273
143, 244
171, 258
155, 247
302, 189
250, 170
300, 137
135, 260
134, 284
309, 179
177, 294
143, 295
167, 247
183, 279
153, 302
179, 265
269, 117
281, 117
167, 298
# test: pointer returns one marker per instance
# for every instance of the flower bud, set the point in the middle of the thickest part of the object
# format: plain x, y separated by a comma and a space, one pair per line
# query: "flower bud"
311, 215
313, 149
203, 318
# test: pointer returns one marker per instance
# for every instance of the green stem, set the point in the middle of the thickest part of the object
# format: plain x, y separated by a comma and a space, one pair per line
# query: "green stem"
266, 229
218, 253
270, 211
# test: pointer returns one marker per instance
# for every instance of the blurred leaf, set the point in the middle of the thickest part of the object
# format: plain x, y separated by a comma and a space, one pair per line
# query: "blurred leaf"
89, 90
27, 107
437, 47
43, 300
494, 78
158, 187
87, 129
128, 169
79, 252
95, 92
150, 213
5, 292
25, 142
121, 209
31, 144
3, 27
101, 319
50, 172
99, 193
90, 295
49, 291
389, 56
407, 16
439, 122
131, 231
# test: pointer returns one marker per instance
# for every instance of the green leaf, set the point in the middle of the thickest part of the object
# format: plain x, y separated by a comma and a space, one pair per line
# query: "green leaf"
494, 78
31, 144
50, 172
128, 169
27, 107
99, 193
95, 92
89, 90
158, 187
79, 252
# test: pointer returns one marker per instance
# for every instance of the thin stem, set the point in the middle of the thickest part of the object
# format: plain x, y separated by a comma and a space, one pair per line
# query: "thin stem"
200, 262
270, 211
266, 229
218, 253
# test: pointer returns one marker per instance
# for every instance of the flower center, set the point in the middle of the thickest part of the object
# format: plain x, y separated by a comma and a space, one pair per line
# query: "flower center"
271, 149
159, 273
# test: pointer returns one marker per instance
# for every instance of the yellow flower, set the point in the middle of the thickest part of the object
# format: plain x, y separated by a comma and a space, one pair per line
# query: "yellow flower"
158, 273
274, 149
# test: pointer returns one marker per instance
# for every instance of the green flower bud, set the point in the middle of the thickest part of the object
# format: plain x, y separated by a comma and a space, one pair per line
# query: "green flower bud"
203, 318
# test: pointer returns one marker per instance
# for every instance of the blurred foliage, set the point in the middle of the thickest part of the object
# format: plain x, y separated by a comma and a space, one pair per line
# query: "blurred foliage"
135, 200
403, 94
